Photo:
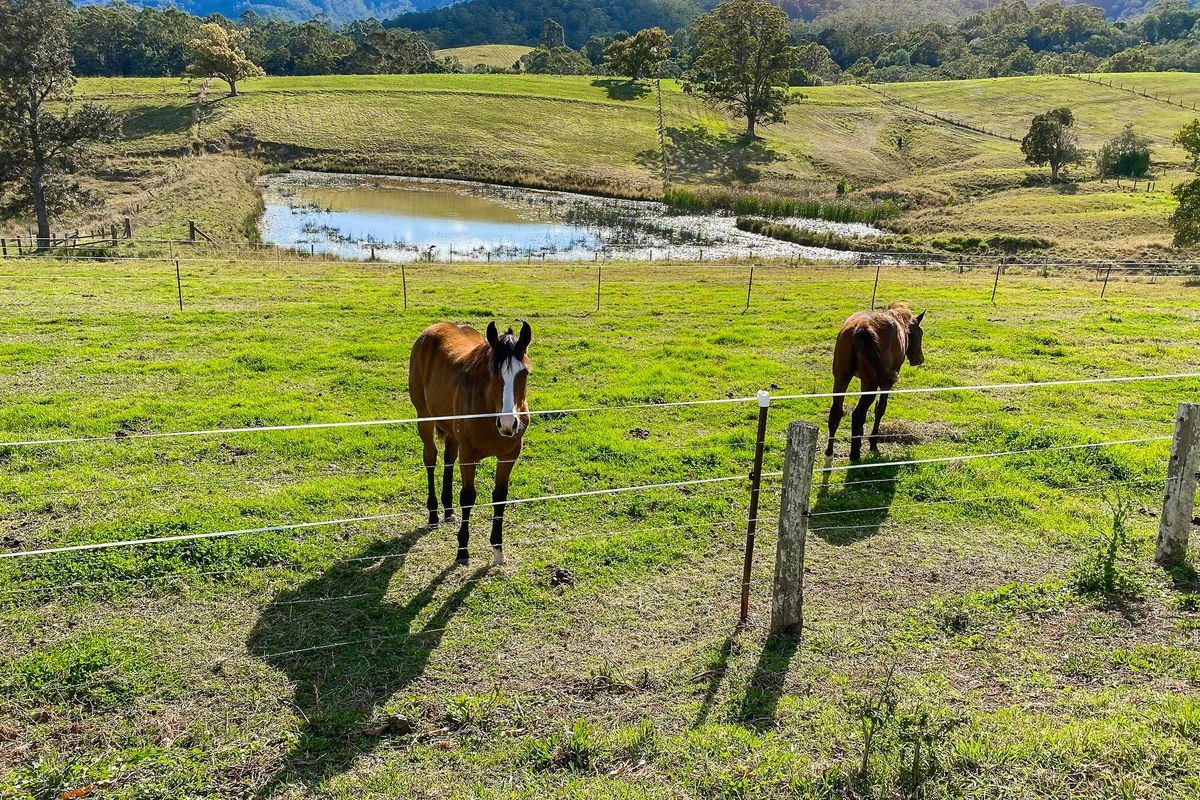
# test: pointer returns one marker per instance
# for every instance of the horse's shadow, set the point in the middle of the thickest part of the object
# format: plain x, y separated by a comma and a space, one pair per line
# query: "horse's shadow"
846, 513
347, 647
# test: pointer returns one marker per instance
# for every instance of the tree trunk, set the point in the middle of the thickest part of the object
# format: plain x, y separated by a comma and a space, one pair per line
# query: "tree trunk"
1054, 172
39, 207
233, 88
751, 118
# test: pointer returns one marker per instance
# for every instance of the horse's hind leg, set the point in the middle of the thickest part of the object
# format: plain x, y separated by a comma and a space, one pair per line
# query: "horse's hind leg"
429, 458
450, 456
880, 410
837, 410
858, 421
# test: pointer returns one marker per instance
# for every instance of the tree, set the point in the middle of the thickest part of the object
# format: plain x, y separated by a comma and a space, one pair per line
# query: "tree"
553, 35
217, 53
45, 142
744, 60
1052, 141
1188, 137
1133, 59
1185, 219
1127, 155
559, 61
640, 55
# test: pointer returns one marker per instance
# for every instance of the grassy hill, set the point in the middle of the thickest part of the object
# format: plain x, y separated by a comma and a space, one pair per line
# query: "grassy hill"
599, 135
501, 56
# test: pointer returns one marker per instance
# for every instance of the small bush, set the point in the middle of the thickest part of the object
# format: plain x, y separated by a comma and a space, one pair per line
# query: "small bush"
1111, 568
579, 749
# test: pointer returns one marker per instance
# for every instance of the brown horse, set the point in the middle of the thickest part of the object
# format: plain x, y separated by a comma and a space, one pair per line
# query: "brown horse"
872, 345
453, 371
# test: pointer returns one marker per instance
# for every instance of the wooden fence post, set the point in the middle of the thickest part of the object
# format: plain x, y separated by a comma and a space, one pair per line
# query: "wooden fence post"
749, 289
996, 283
1179, 498
1104, 288
787, 601
191, 230
764, 405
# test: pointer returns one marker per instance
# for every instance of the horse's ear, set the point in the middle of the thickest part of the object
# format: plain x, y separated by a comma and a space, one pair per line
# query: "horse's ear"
493, 336
524, 339
920, 317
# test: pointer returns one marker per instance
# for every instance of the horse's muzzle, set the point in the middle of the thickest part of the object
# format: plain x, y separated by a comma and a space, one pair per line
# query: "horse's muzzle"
508, 426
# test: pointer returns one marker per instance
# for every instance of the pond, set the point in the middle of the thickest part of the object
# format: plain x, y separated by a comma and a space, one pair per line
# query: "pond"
411, 219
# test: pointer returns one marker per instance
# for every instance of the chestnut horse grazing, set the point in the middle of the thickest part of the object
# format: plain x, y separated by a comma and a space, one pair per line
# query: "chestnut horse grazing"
872, 345
453, 371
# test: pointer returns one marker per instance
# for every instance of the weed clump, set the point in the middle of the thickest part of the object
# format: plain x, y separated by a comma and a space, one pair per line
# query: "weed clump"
1111, 568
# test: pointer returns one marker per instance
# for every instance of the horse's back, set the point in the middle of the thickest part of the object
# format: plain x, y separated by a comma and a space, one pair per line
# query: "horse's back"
864, 349
434, 366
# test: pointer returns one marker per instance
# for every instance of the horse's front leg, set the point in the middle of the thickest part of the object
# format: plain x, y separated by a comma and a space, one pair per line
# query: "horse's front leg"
504, 467
880, 410
466, 499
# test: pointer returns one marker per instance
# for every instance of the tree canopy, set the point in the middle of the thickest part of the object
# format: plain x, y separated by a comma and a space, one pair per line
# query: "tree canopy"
640, 55
217, 53
1126, 155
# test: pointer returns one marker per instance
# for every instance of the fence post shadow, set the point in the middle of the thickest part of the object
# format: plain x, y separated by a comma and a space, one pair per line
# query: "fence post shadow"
760, 697
385, 648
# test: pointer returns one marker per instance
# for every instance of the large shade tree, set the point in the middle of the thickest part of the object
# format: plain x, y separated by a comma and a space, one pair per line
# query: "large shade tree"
218, 53
46, 141
1052, 142
744, 58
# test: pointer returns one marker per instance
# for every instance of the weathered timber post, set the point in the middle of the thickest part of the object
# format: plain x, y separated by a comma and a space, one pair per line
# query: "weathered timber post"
787, 601
996, 284
1179, 498
4, 247
128, 228
191, 230
764, 404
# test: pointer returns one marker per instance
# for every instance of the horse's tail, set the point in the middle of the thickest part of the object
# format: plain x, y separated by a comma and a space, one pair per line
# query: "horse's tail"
867, 356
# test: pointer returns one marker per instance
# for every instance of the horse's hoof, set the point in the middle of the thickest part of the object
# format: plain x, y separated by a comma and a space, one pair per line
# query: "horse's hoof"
448, 516
462, 562
497, 557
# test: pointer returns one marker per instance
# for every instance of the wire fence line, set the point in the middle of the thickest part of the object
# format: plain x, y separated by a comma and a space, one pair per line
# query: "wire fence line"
591, 409
568, 495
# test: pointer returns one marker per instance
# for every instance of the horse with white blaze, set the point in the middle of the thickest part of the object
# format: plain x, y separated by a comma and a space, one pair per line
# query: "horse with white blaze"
480, 382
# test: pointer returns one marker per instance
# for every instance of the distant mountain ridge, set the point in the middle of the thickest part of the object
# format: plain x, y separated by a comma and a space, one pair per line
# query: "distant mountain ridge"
455, 23
338, 11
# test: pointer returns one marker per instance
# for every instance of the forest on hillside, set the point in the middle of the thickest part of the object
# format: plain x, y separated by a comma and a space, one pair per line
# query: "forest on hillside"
1009, 39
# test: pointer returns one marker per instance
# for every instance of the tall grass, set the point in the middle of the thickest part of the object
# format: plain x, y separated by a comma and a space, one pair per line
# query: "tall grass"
693, 201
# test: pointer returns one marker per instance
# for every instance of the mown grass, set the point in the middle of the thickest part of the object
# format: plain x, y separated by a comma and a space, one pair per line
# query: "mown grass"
500, 56
634, 682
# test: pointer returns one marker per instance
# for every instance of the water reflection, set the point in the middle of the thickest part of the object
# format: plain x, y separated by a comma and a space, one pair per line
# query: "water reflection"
410, 219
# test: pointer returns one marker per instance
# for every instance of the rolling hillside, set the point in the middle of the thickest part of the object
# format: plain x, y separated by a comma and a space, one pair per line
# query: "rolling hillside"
599, 135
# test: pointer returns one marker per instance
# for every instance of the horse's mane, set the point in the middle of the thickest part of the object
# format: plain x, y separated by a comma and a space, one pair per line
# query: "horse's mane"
900, 311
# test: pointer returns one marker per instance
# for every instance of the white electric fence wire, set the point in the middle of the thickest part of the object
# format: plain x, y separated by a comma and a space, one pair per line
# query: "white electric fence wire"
347, 520
593, 409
